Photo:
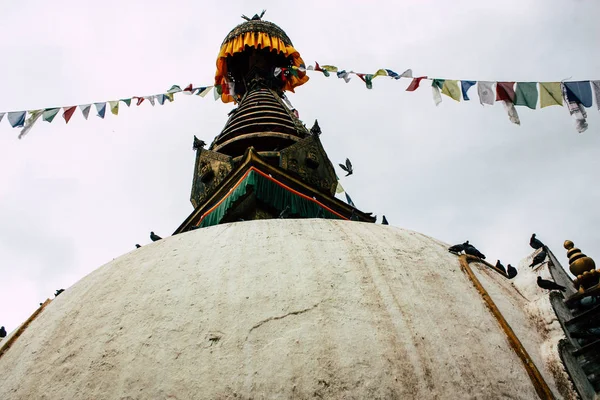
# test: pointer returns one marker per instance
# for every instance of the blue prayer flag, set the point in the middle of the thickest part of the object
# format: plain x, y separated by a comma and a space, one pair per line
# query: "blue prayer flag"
465, 86
392, 74
101, 108
17, 118
579, 91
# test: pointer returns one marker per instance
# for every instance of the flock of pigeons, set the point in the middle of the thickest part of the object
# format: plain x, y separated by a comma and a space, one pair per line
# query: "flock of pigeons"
511, 271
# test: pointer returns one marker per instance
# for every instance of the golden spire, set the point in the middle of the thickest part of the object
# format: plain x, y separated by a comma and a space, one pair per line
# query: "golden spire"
582, 266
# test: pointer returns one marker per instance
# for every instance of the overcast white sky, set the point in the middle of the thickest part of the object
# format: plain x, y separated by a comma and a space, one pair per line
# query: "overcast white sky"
73, 197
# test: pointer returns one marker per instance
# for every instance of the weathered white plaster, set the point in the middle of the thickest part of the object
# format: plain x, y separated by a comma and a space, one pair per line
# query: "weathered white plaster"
271, 309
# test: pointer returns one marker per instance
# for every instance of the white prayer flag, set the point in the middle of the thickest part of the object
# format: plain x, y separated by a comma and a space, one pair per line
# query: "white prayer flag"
486, 92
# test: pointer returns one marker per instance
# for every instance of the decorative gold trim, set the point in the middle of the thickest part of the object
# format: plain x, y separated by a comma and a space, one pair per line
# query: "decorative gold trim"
22, 328
540, 385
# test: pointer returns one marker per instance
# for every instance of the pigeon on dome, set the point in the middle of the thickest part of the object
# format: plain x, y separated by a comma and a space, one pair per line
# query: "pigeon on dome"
472, 251
59, 291
154, 237
511, 271
500, 266
538, 259
2, 332
384, 221
458, 248
137, 246
549, 285
535, 243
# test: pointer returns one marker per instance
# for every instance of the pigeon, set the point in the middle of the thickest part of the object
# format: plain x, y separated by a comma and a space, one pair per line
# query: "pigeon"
384, 221
137, 246
154, 237
59, 291
2, 332
538, 259
285, 213
471, 250
511, 271
535, 243
198, 143
549, 285
458, 248
347, 167
500, 266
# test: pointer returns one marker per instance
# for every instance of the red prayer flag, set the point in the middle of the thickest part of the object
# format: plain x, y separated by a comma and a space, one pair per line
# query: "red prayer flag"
188, 88
140, 100
68, 113
414, 85
317, 68
505, 91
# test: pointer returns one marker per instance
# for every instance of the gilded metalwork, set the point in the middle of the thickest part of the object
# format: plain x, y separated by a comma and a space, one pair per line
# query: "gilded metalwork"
258, 26
582, 266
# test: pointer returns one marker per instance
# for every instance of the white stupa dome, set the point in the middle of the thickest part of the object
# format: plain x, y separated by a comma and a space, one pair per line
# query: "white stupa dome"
279, 309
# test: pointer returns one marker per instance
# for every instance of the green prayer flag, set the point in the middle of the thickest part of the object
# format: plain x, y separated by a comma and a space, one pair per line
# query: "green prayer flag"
526, 94
126, 101
550, 94
438, 82
49, 114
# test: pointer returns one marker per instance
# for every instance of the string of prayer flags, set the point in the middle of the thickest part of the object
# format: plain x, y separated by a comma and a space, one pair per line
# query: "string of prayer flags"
550, 94
464, 87
526, 94
318, 68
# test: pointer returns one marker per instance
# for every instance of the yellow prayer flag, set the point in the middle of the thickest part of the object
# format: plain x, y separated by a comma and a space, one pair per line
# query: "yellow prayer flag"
339, 188
169, 96
450, 89
380, 72
114, 107
550, 94
329, 68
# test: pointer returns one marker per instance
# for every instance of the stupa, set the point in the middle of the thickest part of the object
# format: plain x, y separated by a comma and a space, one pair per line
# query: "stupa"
284, 291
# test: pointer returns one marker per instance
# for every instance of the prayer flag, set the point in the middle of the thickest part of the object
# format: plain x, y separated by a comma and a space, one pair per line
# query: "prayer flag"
339, 188
318, 68
526, 94
465, 86
485, 90
85, 110
505, 91
114, 107
50, 113
151, 99
1, 116
414, 85
349, 200
576, 110
174, 89
202, 91
580, 92
550, 94
68, 113
188, 89
595, 85
437, 97
367, 79
160, 98
217, 92
101, 108
170, 97
439, 83
33, 117
511, 111
17, 118
380, 72
343, 75
407, 74
126, 101
392, 74
329, 68
140, 100
450, 89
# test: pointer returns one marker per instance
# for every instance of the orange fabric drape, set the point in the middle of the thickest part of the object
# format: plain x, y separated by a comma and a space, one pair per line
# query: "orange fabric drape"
257, 40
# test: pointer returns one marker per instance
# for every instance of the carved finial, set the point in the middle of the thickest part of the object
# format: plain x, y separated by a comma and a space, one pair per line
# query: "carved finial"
198, 144
582, 266
256, 17
316, 129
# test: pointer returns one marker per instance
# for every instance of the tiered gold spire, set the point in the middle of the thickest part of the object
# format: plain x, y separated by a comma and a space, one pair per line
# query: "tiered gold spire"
583, 267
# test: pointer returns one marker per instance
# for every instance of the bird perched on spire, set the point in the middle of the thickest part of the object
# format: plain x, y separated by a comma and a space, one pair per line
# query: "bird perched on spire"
535, 243
198, 143
549, 285
384, 221
538, 259
347, 167
154, 237
256, 17
511, 271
